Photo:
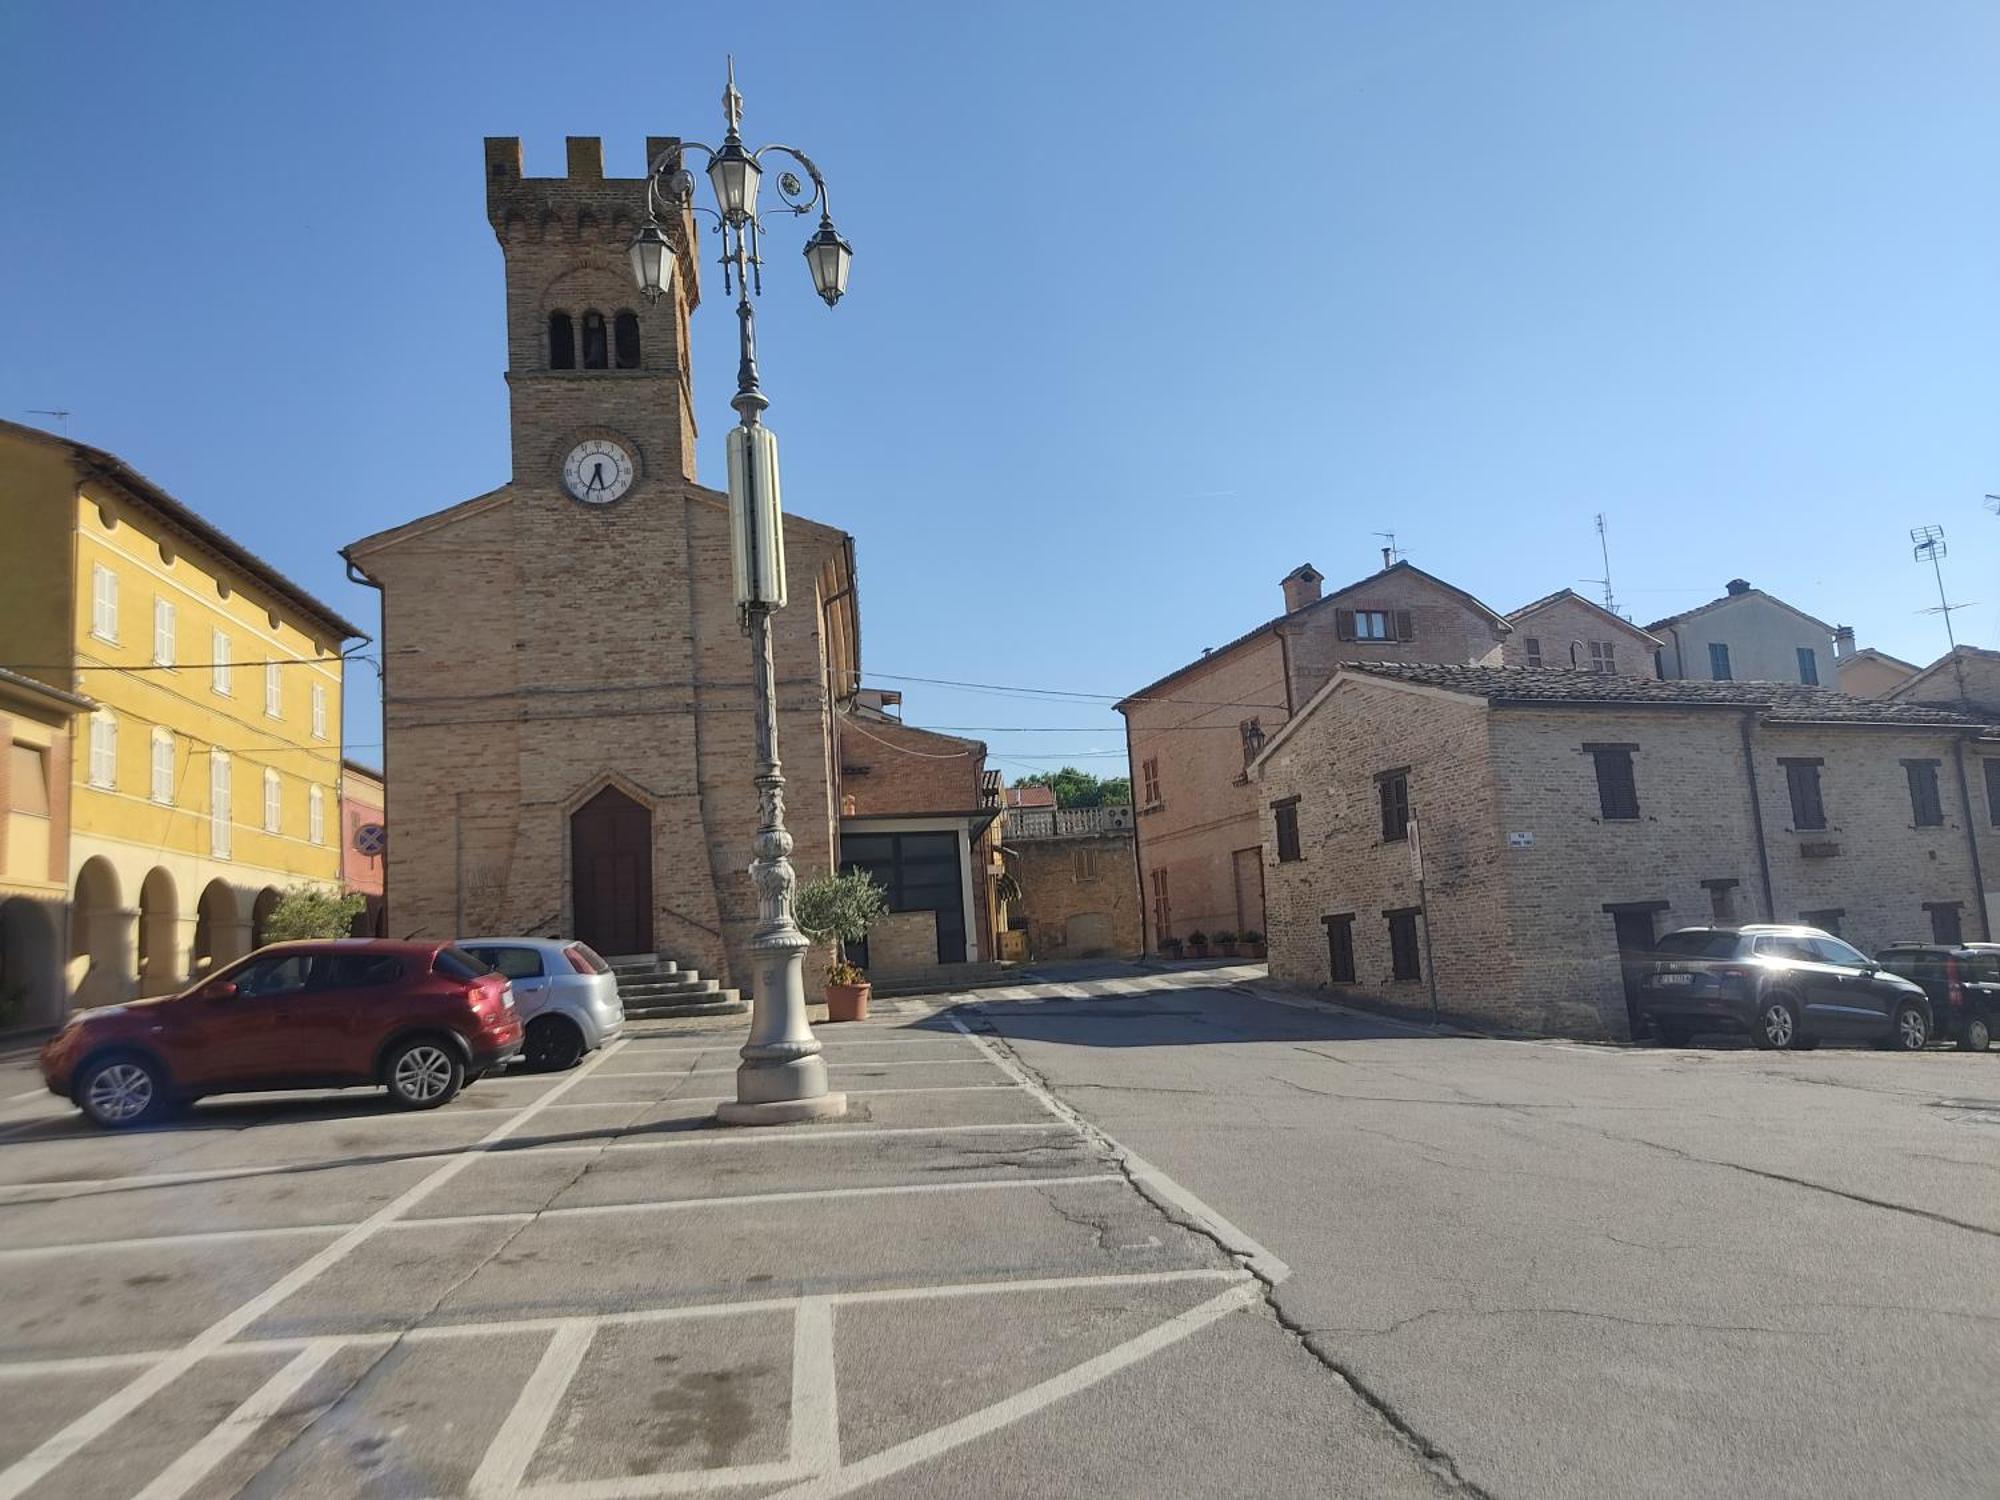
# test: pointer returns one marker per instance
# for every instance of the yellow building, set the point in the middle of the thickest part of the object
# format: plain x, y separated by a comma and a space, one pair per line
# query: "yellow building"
206, 779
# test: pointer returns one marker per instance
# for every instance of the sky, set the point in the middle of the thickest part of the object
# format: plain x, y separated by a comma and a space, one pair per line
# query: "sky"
1151, 303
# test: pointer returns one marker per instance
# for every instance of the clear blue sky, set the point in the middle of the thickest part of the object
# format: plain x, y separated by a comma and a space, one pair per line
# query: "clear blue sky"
1151, 302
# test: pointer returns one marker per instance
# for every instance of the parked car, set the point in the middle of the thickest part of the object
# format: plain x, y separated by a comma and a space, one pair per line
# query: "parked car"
419, 1019
568, 995
1786, 986
1963, 982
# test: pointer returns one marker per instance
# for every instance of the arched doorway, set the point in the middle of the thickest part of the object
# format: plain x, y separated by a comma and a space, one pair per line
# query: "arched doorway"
218, 931
611, 873
30, 978
260, 916
99, 941
159, 922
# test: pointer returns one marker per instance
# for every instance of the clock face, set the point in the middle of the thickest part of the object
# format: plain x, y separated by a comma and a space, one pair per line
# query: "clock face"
597, 471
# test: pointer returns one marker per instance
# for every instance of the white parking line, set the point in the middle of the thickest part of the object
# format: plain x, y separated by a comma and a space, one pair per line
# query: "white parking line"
815, 1398
195, 1465
508, 1456
1144, 1173
35, 1465
159, 1241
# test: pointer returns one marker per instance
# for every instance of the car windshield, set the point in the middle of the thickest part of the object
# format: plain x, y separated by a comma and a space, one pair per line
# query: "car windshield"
456, 963
1698, 942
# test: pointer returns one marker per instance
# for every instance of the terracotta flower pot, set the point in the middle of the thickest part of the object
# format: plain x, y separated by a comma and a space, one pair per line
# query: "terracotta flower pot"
847, 1002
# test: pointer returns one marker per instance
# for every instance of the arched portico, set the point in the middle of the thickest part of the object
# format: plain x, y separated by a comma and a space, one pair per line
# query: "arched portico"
102, 965
221, 932
162, 961
260, 916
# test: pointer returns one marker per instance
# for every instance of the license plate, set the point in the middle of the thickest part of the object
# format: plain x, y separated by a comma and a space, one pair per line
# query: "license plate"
1673, 979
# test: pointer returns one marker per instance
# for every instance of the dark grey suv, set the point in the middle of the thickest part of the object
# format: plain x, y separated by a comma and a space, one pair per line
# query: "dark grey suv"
1784, 986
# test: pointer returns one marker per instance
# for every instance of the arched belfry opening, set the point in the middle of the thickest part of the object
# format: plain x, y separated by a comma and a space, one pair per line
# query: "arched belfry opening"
611, 873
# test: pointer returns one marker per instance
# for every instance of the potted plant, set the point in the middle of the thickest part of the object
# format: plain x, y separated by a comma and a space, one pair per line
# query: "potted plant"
1225, 943
1197, 946
1170, 947
840, 909
1252, 941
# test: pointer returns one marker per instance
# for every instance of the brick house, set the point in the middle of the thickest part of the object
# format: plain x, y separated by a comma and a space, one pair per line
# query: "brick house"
568, 701
1564, 629
1074, 866
921, 813
1869, 673
1191, 735
1567, 817
1966, 677
1746, 636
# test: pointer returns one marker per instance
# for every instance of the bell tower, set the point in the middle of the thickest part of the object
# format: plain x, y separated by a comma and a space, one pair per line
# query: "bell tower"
589, 360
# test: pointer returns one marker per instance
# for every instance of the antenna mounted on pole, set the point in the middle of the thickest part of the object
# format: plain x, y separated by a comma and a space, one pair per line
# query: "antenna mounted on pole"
1930, 546
1391, 554
1604, 550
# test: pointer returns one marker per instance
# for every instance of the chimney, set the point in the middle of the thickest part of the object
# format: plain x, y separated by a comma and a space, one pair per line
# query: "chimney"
1843, 641
1738, 586
1301, 587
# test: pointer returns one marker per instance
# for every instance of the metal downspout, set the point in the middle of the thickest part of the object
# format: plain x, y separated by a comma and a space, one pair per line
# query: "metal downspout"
1757, 820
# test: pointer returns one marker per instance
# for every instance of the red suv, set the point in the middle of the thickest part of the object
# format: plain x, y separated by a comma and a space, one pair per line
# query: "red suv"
420, 1019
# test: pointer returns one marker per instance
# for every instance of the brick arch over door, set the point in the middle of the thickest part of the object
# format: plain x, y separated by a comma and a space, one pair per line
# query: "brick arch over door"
611, 873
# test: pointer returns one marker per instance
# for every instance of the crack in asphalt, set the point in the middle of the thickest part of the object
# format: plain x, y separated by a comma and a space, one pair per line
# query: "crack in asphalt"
1435, 1459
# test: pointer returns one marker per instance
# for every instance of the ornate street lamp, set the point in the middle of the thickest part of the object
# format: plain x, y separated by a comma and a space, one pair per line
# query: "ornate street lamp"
782, 1076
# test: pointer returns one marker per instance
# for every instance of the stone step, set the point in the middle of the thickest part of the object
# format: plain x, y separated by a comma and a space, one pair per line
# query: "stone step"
645, 970
717, 1003
681, 984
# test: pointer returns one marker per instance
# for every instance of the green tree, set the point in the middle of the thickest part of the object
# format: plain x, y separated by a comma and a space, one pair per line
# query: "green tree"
1074, 788
307, 912
840, 909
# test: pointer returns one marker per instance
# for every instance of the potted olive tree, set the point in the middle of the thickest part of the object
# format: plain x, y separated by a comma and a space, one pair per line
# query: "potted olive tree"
840, 909
1225, 943
1253, 942
1197, 944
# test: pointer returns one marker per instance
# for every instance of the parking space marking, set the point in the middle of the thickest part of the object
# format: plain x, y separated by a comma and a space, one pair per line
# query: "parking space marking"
234, 1430
34, 1466
160, 1241
513, 1447
1149, 1178
815, 1396
940, 1440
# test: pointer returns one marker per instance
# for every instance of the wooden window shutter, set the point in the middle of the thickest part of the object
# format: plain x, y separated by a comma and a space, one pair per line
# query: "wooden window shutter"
1343, 624
1406, 627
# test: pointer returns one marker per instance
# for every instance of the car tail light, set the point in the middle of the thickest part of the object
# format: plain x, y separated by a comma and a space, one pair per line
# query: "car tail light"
577, 961
1954, 990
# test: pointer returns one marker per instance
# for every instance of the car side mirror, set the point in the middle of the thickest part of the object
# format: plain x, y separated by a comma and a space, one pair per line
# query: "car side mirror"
221, 989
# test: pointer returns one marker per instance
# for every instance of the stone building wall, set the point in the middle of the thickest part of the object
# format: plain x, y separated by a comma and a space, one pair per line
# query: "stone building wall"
1079, 894
1445, 627
896, 768
1566, 620
1330, 763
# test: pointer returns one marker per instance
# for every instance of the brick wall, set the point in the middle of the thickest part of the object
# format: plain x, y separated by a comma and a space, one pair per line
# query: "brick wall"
1346, 867
1556, 625
1445, 628
903, 942
1078, 895
894, 768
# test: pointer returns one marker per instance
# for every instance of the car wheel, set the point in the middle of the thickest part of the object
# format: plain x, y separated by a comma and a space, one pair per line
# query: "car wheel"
552, 1044
423, 1073
121, 1090
1776, 1028
1910, 1032
1977, 1036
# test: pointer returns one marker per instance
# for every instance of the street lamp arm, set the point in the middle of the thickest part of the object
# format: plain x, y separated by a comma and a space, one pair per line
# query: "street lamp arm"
789, 186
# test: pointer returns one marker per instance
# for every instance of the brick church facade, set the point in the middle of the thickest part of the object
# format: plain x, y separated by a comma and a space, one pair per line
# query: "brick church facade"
567, 691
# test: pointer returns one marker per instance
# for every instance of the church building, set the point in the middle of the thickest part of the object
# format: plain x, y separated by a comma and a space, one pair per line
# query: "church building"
567, 690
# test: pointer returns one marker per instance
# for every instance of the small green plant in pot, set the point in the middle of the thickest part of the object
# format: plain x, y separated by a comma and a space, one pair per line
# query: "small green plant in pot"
839, 909
1225, 943
1252, 941
1197, 945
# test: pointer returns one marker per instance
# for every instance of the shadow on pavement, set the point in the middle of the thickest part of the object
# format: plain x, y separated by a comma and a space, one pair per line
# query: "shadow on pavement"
1167, 1018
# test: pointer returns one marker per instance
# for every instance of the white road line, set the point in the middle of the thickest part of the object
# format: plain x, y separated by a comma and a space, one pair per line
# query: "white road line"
894, 1460
84, 1364
513, 1447
169, 1241
832, 1062
234, 1430
812, 1136
920, 1088
815, 1399
34, 1466
1144, 1173
683, 1482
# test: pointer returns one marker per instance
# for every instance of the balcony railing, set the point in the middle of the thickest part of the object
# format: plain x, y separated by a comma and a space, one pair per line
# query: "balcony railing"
1065, 822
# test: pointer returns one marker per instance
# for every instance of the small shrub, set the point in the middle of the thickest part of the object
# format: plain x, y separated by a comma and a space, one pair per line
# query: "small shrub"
307, 912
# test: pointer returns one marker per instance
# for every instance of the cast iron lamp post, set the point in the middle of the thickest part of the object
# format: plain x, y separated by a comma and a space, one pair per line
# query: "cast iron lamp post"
782, 1076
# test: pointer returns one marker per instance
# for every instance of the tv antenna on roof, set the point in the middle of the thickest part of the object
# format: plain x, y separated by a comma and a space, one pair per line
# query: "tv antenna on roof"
1930, 545
44, 411
1604, 548
1391, 554
1993, 504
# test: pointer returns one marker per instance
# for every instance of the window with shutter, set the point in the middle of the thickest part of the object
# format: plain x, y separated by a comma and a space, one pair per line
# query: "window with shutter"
1343, 624
219, 660
1340, 948
1392, 789
218, 803
1602, 657
103, 749
1403, 960
274, 691
1718, 662
1149, 777
1926, 808
319, 710
1802, 780
1946, 926
163, 766
103, 603
1285, 826
163, 632
1406, 625
1373, 625
1163, 912
274, 806
1534, 649
1617, 788
1992, 765
28, 780
1808, 666
316, 815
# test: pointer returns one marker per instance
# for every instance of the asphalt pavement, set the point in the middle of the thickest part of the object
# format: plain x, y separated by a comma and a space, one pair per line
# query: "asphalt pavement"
1575, 1270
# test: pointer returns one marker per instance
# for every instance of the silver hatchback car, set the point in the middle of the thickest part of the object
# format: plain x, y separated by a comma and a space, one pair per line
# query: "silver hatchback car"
566, 995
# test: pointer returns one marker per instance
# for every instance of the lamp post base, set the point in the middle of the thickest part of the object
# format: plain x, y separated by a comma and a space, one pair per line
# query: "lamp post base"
782, 1111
